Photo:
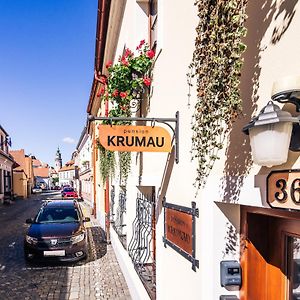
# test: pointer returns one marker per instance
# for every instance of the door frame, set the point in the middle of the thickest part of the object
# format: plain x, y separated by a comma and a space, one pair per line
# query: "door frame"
283, 218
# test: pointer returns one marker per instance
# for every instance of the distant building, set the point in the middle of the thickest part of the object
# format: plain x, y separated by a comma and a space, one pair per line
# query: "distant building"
41, 173
83, 161
54, 181
42, 177
6, 165
58, 160
23, 177
66, 174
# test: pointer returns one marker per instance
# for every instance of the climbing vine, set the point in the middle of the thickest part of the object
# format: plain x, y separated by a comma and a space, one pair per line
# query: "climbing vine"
216, 66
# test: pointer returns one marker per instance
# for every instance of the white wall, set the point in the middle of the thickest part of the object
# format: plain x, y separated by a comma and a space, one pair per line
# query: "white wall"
217, 228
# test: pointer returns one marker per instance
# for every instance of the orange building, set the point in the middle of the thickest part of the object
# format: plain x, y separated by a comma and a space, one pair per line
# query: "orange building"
23, 178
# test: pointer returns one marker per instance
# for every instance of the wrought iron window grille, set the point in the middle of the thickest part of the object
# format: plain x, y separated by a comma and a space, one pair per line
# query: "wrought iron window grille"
112, 204
141, 248
119, 221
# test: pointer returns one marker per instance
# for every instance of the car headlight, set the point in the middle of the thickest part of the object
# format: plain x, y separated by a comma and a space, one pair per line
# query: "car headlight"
77, 238
31, 240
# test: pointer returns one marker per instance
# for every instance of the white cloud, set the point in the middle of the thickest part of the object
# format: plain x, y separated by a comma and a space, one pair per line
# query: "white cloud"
68, 140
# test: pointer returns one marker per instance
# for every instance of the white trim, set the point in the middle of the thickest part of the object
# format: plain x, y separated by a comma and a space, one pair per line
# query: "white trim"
136, 288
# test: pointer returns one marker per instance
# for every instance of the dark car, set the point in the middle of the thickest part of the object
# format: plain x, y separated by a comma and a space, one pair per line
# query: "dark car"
57, 232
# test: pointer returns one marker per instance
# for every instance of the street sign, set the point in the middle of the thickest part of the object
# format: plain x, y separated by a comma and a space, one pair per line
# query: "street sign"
134, 138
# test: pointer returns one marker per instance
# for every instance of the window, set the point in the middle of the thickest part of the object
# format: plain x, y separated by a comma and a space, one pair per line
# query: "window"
2, 142
153, 23
1, 181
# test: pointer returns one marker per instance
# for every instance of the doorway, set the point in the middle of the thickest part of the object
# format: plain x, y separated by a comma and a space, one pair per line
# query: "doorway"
270, 254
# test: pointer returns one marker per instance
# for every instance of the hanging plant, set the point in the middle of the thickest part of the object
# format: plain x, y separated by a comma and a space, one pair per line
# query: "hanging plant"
107, 163
127, 80
125, 165
216, 65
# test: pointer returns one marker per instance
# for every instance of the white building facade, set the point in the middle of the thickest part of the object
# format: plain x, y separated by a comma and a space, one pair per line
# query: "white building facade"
66, 175
83, 161
171, 239
6, 165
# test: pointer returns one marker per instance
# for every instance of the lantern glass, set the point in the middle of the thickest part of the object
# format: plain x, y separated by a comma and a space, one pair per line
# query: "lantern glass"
270, 143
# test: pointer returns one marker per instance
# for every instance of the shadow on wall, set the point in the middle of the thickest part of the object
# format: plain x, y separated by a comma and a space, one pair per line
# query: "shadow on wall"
238, 156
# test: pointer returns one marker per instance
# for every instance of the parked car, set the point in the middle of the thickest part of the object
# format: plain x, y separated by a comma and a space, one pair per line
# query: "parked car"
36, 190
65, 187
69, 192
57, 232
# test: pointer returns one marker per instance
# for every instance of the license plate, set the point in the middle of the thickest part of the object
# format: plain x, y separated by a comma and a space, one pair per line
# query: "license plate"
55, 253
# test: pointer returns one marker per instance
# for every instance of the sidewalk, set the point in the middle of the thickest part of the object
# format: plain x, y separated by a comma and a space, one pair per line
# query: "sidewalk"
107, 279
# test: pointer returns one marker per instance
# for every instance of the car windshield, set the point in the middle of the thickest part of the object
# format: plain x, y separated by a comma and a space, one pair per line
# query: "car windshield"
68, 190
57, 215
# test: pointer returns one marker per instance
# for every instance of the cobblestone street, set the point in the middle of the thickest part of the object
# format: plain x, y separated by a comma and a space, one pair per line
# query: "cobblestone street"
97, 277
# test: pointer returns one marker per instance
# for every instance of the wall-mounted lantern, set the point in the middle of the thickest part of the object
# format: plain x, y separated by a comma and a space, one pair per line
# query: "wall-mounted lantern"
270, 135
271, 131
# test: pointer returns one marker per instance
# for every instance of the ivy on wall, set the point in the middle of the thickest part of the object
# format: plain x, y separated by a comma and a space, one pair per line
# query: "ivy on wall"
216, 65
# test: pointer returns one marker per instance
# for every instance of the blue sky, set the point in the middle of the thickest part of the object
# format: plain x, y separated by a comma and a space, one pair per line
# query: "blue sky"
47, 51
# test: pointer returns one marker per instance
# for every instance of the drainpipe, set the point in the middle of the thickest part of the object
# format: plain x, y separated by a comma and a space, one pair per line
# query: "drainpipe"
95, 171
106, 194
107, 208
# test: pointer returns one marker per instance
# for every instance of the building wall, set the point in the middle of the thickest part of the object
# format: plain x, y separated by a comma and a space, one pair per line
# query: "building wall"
84, 159
30, 175
66, 177
6, 163
20, 184
272, 41
6, 176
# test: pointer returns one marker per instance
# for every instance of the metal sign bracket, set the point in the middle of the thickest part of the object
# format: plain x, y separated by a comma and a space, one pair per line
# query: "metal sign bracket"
166, 121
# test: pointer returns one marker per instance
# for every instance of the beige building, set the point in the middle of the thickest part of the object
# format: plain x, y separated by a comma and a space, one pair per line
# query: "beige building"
221, 224
66, 174
83, 159
23, 174
6, 166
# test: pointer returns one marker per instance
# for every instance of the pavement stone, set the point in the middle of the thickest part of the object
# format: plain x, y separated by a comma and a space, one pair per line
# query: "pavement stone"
97, 277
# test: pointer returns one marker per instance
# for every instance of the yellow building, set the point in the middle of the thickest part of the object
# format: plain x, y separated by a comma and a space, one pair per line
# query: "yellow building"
23, 178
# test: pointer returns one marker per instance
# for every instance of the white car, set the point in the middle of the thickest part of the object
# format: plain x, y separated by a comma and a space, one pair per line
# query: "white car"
36, 190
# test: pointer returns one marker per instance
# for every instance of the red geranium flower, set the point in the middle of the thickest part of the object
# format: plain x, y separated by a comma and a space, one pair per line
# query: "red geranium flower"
147, 81
103, 79
124, 61
115, 93
142, 42
101, 92
123, 94
108, 64
128, 52
150, 54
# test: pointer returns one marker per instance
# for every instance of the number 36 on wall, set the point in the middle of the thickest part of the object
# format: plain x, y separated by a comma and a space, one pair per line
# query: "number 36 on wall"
283, 189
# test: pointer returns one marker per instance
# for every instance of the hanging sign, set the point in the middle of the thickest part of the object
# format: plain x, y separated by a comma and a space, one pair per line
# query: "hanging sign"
283, 189
179, 231
134, 138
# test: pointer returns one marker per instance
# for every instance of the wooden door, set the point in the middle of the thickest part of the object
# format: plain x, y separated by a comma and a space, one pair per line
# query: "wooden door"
270, 256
